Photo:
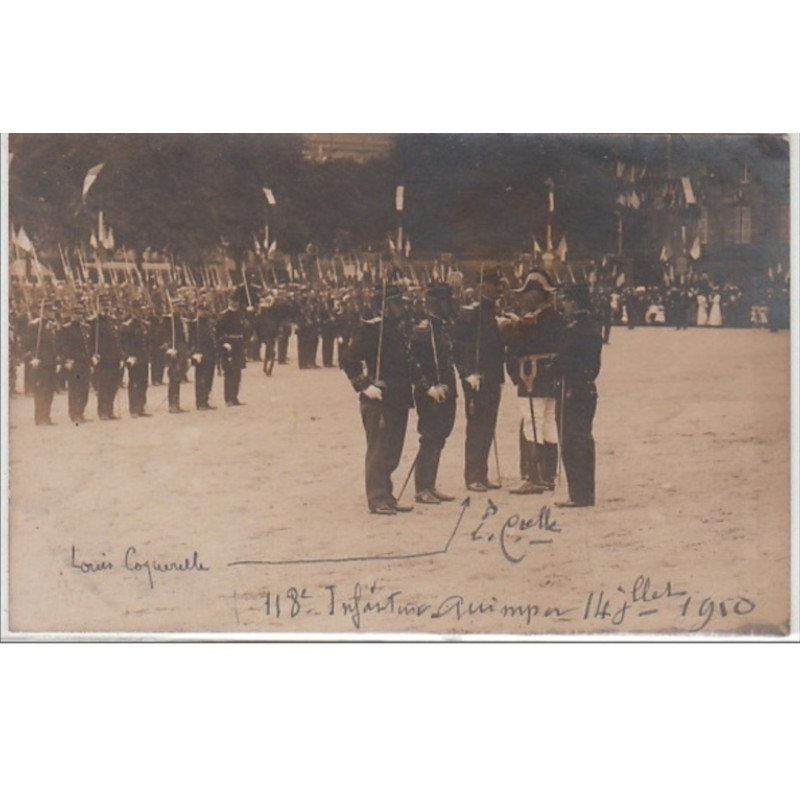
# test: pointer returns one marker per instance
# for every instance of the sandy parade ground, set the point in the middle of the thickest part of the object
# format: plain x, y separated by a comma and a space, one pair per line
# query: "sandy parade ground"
265, 505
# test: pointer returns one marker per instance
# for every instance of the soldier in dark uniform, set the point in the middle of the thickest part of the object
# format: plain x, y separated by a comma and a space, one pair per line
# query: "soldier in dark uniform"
230, 340
267, 326
532, 343
327, 326
578, 363
76, 351
380, 367
604, 313
107, 359
41, 353
176, 352
435, 390
158, 347
203, 347
479, 355
134, 338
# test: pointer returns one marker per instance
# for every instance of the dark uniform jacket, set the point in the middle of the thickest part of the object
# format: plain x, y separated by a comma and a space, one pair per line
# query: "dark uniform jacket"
74, 342
578, 359
134, 339
230, 330
433, 367
533, 343
104, 336
202, 337
397, 365
490, 353
47, 352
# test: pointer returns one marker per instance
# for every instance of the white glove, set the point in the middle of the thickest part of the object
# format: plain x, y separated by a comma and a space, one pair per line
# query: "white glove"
172, 352
250, 308
474, 381
69, 364
96, 359
35, 363
437, 393
198, 357
372, 392
131, 361
228, 347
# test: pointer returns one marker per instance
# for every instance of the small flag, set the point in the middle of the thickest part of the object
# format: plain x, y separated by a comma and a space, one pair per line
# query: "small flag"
392, 245
23, 242
561, 252
408, 247
108, 241
270, 197
633, 200
399, 197
91, 177
537, 251
688, 192
256, 246
622, 200
93, 241
695, 252
273, 248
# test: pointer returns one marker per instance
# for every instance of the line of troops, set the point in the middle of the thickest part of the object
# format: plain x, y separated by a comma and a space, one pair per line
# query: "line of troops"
546, 339
102, 343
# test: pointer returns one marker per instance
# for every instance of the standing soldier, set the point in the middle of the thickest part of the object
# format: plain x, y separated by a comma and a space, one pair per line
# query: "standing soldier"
230, 339
379, 366
76, 357
435, 390
266, 325
533, 342
41, 354
134, 341
479, 356
578, 363
107, 359
158, 346
328, 326
203, 346
175, 350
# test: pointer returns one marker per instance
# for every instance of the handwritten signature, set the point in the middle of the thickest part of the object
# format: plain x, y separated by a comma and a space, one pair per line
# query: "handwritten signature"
132, 562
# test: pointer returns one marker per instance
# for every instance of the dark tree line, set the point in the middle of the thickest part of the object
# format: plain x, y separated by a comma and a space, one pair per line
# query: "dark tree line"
483, 195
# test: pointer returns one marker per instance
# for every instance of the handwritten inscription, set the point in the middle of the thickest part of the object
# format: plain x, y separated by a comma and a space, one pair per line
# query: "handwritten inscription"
131, 561
517, 532
363, 602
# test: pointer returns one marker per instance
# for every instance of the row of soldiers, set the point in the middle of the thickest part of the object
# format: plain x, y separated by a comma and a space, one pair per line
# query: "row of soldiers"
80, 349
547, 339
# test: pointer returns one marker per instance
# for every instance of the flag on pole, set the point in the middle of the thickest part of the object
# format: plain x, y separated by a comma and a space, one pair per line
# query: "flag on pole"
392, 245
695, 252
108, 241
408, 247
399, 197
270, 197
561, 252
91, 177
93, 241
272, 248
537, 251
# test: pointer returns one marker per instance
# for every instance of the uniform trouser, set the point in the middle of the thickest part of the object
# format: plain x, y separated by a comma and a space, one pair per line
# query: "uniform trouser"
203, 380
481, 407
137, 386
269, 354
606, 332
341, 348
157, 366
578, 444
327, 349
434, 425
385, 426
106, 383
283, 346
43, 379
78, 389
27, 379
175, 372
233, 378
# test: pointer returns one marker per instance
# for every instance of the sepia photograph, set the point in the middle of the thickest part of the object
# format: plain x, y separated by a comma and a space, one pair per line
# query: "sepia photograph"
374, 385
